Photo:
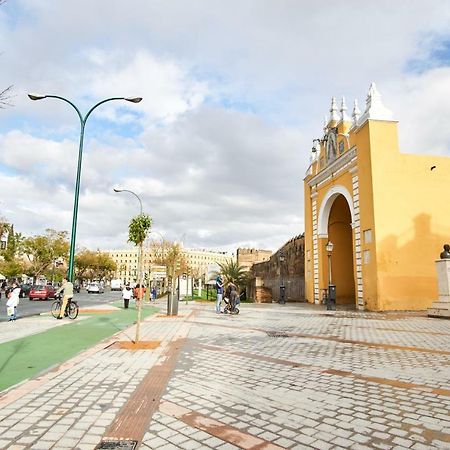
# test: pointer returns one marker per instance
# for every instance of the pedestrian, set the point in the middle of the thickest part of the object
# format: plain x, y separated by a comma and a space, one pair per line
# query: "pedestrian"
138, 293
232, 294
127, 293
13, 301
154, 293
67, 287
219, 287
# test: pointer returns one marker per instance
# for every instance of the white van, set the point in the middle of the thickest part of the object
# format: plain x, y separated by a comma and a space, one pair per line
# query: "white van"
116, 285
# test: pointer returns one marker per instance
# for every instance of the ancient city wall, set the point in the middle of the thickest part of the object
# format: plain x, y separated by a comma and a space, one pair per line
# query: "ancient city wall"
268, 276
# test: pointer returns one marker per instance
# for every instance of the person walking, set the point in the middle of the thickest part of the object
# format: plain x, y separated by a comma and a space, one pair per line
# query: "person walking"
154, 294
13, 301
138, 293
219, 287
127, 293
67, 287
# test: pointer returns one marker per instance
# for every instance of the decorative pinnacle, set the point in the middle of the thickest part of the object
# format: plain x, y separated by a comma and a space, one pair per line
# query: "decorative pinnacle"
356, 113
333, 110
343, 111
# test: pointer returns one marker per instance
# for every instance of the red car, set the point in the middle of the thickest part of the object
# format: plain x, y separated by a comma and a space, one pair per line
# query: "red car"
42, 292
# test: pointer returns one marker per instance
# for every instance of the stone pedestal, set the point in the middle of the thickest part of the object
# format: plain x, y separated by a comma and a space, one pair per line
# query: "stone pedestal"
441, 308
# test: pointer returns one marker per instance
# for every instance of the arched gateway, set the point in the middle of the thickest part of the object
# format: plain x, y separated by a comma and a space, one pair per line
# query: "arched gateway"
366, 198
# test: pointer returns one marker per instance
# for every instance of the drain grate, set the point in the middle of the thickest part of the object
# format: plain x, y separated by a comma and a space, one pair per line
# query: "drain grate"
120, 444
277, 334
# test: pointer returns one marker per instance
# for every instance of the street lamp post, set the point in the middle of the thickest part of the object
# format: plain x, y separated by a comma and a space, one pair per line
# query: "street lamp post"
282, 286
138, 323
331, 287
80, 155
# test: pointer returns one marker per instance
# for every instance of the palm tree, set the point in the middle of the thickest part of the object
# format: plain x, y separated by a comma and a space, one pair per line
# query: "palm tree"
234, 273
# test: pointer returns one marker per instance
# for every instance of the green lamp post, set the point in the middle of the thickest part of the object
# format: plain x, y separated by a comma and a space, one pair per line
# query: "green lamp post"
80, 155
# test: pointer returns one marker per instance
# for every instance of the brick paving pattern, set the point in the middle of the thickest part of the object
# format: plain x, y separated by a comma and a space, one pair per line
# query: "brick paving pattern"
272, 377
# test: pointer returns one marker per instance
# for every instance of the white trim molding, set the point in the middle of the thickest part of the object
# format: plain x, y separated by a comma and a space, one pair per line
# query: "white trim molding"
327, 203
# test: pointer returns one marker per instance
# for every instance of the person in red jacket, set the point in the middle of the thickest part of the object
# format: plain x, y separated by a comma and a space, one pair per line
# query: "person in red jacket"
138, 292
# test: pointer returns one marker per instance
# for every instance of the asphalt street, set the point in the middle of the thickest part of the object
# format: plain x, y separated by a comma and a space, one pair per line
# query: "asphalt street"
33, 307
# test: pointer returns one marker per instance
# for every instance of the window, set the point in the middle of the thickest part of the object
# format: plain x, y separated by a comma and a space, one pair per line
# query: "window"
366, 256
367, 236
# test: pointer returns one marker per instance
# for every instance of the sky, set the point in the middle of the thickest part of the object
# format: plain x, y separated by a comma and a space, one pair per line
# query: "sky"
233, 93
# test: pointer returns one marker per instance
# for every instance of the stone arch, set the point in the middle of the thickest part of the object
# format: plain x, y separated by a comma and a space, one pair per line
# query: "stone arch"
325, 208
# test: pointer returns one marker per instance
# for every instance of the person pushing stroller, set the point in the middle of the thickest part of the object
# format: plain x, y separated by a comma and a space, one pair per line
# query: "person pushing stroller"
231, 297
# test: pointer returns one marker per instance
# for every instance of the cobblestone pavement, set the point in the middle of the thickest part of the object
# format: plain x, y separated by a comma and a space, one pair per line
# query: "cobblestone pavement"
273, 377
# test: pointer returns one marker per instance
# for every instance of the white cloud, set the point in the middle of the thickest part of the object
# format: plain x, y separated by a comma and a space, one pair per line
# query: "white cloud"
234, 92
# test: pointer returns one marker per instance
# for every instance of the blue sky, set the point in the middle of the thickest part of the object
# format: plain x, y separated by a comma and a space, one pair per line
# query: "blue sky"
234, 92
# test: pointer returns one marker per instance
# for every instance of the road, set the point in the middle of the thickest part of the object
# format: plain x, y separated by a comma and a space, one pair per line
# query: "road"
28, 307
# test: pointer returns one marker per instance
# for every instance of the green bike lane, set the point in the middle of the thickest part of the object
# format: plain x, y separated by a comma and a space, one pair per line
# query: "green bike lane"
29, 356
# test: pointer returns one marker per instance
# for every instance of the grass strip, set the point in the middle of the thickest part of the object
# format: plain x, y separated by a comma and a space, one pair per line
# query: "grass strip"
26, 357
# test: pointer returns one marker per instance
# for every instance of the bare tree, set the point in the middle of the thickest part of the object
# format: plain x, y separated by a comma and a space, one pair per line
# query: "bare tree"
5, 95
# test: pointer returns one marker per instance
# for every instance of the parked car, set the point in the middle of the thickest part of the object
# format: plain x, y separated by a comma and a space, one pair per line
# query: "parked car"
42, 292
95, 288
25, 290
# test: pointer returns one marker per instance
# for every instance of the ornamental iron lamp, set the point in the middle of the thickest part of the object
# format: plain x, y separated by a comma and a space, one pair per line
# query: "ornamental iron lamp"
281, 258
331, 303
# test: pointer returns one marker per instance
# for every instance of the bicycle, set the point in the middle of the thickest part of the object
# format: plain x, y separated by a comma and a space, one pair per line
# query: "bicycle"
71, 311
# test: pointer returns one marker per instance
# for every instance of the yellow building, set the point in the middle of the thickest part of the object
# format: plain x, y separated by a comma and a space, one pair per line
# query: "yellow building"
386, 213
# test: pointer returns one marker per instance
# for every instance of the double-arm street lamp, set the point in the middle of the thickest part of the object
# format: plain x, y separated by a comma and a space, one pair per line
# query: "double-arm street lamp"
80, 155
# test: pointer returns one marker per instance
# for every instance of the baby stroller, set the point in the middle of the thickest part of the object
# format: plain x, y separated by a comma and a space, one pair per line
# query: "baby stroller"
230, 305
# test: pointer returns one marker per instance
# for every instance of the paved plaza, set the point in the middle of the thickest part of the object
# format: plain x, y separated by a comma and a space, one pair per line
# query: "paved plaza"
273, 377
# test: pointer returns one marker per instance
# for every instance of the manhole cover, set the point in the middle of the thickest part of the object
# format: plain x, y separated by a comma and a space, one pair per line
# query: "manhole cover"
277, 334
121, 444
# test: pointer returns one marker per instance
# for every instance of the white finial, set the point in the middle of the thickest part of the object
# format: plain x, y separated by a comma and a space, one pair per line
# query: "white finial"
343, 111
333, 110
375, 109
355, 114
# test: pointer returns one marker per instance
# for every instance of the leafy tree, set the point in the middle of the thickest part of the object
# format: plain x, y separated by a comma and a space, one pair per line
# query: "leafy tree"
11, 269
93, 265
14, 245
137, 233
139, 228
42, 250
11, 265
84, 265
174, 260
234, 273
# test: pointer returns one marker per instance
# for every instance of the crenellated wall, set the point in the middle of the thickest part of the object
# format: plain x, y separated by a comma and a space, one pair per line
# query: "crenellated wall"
268, 276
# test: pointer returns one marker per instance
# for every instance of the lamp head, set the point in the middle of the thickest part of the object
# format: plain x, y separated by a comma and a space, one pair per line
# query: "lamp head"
329, 247
36, 96
117, 190
133, 99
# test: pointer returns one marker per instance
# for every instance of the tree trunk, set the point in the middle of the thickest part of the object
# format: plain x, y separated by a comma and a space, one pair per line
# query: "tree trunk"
139, 300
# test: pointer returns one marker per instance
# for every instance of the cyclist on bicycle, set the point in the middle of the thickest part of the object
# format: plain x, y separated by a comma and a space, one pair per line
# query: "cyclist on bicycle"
67, 287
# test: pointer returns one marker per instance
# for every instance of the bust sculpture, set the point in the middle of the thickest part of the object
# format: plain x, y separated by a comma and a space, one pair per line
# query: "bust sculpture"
446, 253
